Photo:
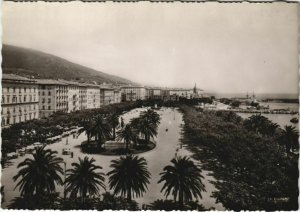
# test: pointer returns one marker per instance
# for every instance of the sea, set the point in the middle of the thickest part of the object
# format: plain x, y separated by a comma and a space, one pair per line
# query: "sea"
281, 119
258, 96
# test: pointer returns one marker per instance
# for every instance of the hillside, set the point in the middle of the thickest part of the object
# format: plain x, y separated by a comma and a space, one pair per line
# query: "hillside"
32, 63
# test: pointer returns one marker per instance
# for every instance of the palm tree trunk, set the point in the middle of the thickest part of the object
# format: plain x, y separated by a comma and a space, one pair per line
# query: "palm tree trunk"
181, 198
127, 144
129, 195
114, 133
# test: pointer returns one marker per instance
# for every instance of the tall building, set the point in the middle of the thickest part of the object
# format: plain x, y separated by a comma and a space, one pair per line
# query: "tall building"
106, 96
20, 100
117, 95
74, 96
133, 93
93, 96
83, 101
53, 96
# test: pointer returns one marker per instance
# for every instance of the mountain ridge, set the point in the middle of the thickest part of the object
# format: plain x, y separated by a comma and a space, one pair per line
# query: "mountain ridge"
37, 64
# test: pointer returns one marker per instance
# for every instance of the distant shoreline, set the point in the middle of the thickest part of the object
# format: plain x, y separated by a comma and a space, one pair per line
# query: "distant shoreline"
286, 98
294, 101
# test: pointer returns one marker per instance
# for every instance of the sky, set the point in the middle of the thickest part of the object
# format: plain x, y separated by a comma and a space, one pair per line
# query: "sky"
231, 48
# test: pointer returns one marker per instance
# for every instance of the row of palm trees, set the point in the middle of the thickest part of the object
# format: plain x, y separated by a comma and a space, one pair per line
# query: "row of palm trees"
288, 136
103, 126
128, 178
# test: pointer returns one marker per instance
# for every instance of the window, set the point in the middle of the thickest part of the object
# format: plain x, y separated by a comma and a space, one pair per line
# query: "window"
43, 107
25, 90
43, 93
43, 100
14, 89
14, 110
20, 118
20, 89
8, 120
3, 121
49, 107
49, 100
20, 98
49, 93
25, 97
14, 120
7, 89
3, 99
14, 99
8, 98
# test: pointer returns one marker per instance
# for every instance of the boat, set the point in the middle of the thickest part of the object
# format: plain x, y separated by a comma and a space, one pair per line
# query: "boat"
294, 120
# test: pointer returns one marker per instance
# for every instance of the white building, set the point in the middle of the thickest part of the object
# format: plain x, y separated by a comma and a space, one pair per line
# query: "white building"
20, 100
133, 93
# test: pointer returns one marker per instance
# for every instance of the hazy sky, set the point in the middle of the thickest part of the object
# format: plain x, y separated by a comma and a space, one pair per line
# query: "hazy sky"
221, 47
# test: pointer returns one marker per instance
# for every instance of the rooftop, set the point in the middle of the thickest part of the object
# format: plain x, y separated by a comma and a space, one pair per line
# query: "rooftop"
15, 78
50, 82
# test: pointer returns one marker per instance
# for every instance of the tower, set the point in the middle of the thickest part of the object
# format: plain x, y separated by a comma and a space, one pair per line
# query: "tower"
195, 89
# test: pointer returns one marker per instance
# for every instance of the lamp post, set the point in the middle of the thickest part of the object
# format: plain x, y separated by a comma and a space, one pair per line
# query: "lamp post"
65, 181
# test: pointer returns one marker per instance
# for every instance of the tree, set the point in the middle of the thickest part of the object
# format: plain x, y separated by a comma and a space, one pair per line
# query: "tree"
182, 180
87, 127
127, 134
289, 138
84, 179
152, 117
113, 120
40, 174
145, 127
101, 129
129, 176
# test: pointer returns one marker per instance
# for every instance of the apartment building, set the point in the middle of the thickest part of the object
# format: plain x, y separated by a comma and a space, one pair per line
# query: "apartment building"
20, 100
106, 96
74, 96
117, 95
93, 96
83, 93
53, 97
133, 93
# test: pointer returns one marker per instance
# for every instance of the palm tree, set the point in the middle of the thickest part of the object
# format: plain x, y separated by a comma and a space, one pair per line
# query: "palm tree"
129, 176
84, 179
182, 180
113, 120
256, 123
289, 138
127, 134
152, 116
146, 128
101, 129
87, 127
39, 174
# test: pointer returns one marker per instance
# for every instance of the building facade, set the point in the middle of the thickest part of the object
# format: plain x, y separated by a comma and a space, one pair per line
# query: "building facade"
133, 93
106, 96
117, 95
93, 96
74, 96
20, 100
53, 97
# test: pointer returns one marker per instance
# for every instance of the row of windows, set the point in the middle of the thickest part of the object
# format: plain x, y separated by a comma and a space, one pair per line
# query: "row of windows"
14, 119
15, 99
19, 109
14, 90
